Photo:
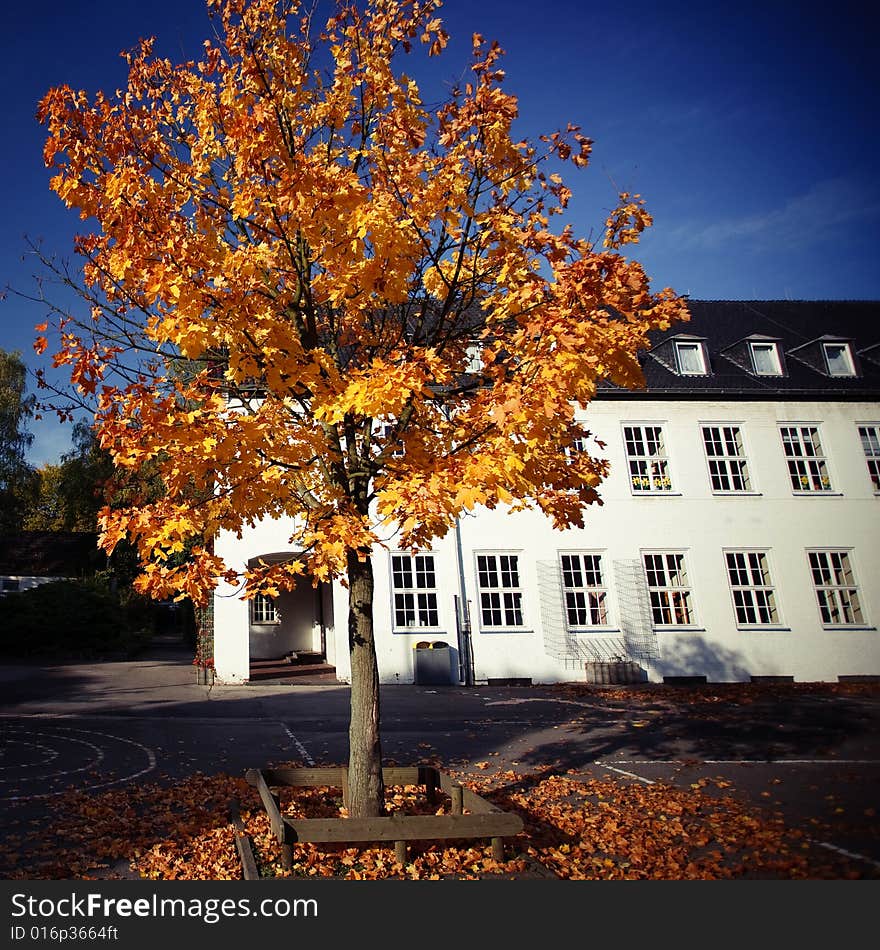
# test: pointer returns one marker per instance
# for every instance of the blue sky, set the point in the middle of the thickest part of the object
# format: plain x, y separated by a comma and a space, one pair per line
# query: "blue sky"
750, 129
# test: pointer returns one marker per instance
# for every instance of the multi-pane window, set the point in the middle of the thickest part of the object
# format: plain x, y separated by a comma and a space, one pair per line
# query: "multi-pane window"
836, 588
754, 600
414, 591
807, 468
578, 446
263, 609
765, 359
839, 359
691, 358
646, 458
728, 470
583, 590
870, 436
500, 591
669, 589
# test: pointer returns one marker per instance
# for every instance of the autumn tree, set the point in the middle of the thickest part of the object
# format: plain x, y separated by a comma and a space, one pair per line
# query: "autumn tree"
384, 324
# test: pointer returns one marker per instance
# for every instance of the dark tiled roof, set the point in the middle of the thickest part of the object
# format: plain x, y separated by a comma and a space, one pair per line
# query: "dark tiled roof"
49, 553
794, 323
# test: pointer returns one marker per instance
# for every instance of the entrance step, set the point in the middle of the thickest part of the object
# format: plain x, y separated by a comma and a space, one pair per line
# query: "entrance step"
306, 666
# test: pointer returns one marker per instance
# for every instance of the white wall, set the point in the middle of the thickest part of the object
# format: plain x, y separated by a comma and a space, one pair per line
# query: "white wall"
28, 583
691, 519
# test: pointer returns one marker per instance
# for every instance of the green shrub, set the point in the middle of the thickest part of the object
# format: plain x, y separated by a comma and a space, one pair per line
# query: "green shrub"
73, 619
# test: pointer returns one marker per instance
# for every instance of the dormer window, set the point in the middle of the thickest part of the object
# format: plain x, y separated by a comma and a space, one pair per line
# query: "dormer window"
839, 360
691, 358
765, 359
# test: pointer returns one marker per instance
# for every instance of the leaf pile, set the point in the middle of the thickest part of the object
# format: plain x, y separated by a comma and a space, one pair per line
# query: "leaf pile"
576, 827
739, 694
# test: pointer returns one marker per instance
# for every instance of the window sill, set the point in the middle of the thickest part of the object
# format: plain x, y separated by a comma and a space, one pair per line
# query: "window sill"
656, 494
674, 627
849, 627
505, 630
580, 631
738, 494
265, 623
762, 628
816, 493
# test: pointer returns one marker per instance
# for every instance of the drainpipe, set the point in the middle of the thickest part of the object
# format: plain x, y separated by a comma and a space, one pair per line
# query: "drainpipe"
465, 647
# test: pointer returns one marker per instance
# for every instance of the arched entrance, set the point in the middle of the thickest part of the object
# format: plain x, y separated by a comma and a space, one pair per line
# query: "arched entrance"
288, 634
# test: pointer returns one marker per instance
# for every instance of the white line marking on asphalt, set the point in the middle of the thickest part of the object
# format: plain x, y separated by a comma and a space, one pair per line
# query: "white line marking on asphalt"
848, 854
91, 764
538, 699
603, 765
151, 765
853, 855
298, 745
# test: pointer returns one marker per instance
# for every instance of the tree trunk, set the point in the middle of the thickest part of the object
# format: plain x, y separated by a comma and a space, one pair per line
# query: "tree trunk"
365, 786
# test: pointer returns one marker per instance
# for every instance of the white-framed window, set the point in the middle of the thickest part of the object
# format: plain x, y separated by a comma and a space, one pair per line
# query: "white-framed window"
765, 359
583, 590
870, 438
669, 589
807, 465
646, 459
837, 592
579, 444
500, 591
754, 597
264, 610
839, 360
728, 468
414, 591
473, 358
690, 356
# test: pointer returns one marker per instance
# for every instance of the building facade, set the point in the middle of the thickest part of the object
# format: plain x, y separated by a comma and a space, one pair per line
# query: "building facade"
31, 558
738, 539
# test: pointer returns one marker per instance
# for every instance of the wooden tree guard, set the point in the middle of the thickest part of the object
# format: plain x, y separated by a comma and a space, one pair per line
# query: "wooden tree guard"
483, 820
249, 869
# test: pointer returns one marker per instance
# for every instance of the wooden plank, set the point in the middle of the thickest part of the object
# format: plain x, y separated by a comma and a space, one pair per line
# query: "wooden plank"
335, 777
403, 827
470, 800
400, 852
306, 778
483, 820
456, 795
249, 868
270, 802
426, 775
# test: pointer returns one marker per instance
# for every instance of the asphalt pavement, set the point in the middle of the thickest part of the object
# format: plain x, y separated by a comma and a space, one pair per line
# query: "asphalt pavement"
100, 725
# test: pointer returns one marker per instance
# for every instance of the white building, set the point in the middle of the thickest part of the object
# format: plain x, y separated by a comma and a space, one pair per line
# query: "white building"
29, 559
739, 536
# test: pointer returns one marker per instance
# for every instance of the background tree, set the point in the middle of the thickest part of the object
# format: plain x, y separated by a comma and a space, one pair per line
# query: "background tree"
385, 328
70, 495
18, 480
72, 491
